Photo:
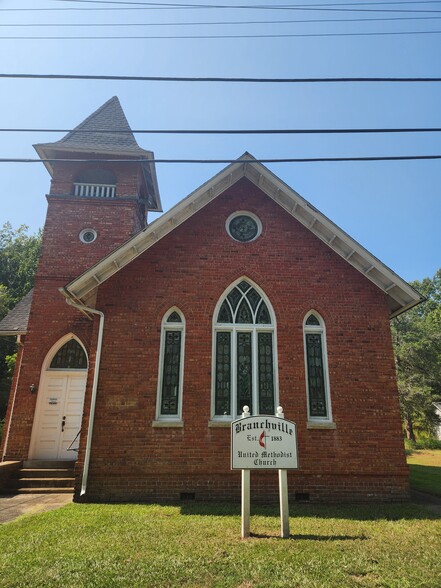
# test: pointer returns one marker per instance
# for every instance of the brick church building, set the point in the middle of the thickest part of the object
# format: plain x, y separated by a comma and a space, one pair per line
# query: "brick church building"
140, 343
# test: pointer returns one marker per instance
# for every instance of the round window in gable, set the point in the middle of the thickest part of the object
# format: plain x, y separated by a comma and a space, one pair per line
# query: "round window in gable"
243, 226
88, 235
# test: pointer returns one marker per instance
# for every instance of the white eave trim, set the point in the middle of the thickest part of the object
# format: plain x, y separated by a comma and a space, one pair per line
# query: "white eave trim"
401, 296
12, 333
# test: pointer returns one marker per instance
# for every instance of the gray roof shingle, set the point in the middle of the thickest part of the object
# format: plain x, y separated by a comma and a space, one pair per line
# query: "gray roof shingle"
16, 321
87, 136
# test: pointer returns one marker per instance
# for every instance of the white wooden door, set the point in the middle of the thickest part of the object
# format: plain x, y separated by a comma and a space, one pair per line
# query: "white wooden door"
58, 416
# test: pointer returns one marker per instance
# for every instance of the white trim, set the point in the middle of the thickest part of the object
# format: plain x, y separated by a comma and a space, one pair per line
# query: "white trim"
320, 425
318, 329
402, 297
46, 371
170, 326
235, 328
255, 218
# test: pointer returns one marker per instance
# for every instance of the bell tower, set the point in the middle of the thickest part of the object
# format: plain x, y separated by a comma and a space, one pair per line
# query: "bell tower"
102, 187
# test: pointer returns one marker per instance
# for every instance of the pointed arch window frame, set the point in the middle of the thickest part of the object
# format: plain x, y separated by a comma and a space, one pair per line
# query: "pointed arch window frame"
317, 329
168, 326
234, 329
57, 347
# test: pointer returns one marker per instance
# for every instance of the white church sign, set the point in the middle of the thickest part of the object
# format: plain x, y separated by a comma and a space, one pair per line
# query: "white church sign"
263, 442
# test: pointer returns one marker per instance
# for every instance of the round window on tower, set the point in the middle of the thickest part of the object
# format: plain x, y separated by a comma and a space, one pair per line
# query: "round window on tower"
88, 235
243, 226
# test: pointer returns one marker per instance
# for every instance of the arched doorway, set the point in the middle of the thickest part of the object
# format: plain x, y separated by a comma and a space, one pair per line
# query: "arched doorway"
59, 409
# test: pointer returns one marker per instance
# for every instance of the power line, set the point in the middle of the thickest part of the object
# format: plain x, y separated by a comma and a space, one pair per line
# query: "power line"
229, 131
223, 23
158, 6
227, 161
271, 36
335, 7
221, 79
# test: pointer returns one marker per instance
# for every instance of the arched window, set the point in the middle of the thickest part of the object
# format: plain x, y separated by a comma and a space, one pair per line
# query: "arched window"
244, 354
71, 356
316, 364
171, 366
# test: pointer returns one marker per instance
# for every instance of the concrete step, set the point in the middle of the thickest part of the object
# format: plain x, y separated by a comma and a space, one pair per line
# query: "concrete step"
45, 490
48, 464
45, 482
46, 473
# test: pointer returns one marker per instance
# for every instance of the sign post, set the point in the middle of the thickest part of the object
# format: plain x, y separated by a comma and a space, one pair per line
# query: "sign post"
245, 506
264, 442
283, 494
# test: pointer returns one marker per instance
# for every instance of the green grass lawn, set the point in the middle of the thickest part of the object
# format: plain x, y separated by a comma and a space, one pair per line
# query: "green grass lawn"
425, 470
394, 546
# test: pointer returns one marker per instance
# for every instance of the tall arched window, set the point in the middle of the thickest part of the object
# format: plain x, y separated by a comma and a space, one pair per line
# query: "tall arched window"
171, 366
244, 354
316, 364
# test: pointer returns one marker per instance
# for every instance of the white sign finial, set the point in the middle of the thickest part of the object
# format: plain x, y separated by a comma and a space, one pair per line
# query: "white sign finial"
279, 412
246, 411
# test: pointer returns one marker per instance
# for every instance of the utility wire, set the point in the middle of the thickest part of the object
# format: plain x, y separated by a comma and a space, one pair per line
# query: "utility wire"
223, 23
213, 161
174, 5
221, 79
271, 36
299, 7
228, 131
145, 6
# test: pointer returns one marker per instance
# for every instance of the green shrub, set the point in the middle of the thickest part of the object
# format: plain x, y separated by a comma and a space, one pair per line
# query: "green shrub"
422, 443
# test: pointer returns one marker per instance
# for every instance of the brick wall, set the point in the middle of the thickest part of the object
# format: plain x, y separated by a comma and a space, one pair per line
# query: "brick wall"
363, 458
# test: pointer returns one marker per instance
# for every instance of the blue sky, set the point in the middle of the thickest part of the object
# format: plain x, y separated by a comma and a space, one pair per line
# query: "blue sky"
391, 208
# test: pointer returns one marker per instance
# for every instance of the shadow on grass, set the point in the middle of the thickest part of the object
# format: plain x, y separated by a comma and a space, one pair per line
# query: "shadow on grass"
358, 512
311, 537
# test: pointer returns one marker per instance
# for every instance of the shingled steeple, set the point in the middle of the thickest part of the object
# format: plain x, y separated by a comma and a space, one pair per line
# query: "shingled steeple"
105, 134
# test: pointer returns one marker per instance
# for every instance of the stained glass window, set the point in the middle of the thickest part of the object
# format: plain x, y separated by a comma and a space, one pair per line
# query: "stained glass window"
171, 372
313, 320
174, 318
170, 382
266, 373
243, 228
318, 403
70, 357
244, 372
244, 354
223, 374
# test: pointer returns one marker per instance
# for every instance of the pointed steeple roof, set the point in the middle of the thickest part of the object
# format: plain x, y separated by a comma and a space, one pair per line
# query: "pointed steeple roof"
109, 117
105, 131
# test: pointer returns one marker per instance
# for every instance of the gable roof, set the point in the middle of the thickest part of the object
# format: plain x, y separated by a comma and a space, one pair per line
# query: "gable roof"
16, 321
400, 295
106, 131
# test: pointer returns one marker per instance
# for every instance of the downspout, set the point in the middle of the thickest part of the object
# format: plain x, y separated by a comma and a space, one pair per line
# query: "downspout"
5, 447
94, 388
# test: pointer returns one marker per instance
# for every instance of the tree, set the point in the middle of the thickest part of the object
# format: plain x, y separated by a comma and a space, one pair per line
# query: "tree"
18, 260
417, 344
19, 254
